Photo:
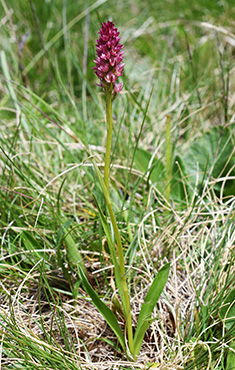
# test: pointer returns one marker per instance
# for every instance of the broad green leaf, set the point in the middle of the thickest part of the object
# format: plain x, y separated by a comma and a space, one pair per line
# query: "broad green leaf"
145, 316
104, 310
157, 169
212, 150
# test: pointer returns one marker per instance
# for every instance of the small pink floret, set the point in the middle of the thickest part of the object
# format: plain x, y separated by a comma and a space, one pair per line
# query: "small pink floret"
118, 87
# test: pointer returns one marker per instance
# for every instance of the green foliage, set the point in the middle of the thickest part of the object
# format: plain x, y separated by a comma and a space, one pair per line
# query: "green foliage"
227, 313
52, 120
145, 316
208, 158
104, 310
230, 361
33, 246
179, 185
212, 157
145, 163
73, 256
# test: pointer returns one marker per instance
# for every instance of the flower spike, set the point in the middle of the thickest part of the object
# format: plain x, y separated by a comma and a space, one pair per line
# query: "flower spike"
109, 59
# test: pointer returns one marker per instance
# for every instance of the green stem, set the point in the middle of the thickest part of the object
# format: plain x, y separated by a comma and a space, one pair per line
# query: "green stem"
109, 137
123, 277
168, 158
125, 298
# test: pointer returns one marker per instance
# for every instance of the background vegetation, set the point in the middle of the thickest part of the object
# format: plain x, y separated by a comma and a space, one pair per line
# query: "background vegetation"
179, 62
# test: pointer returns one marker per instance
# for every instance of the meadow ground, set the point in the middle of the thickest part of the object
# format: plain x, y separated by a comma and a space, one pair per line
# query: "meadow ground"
172, 183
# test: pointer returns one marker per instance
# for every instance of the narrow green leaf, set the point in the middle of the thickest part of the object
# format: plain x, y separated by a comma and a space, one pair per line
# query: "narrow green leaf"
32, 244
179, 189
59, 255
145, 316
230, 360
106, 227
111, 247
107, 233
227, 311
102, 184
73, 254
6, 74
103, 309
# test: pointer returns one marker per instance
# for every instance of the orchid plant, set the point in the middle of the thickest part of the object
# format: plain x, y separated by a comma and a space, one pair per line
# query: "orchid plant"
109, 67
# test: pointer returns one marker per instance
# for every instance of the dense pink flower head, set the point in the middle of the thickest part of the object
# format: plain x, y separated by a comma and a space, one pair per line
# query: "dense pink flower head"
109, 59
